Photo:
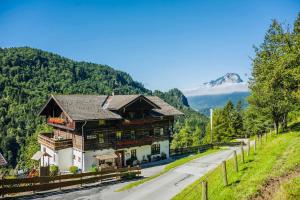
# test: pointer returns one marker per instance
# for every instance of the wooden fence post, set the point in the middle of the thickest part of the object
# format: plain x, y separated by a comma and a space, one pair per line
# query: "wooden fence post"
261, 142
81, 179
235, 161
224, 172
248, 147
2, 184
60, 181
204, 190
242, 153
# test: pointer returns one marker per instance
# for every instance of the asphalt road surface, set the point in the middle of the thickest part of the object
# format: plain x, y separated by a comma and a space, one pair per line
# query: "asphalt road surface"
163, 187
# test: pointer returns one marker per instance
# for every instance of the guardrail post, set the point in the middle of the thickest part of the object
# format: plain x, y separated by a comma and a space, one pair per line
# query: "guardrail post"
224, 172
204, 190
235, 161
242, 153
248, 147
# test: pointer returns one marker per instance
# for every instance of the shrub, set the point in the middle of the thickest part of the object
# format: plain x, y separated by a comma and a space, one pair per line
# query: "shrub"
128, 175
53, 170
94, 169
163, 155
73, 169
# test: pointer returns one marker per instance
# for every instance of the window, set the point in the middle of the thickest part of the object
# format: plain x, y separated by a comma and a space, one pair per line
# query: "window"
161, 131
101, 122
146, 133
91, 137
119, 135
156, 131
155, 149
101, 162
132, 135
101, 138
79, 159
131, 115
133, 153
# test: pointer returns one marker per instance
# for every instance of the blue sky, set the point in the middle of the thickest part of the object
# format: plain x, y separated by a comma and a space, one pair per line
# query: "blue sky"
163, 44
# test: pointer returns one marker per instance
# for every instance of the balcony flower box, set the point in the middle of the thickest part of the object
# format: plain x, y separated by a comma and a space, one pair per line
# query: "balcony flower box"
55, 120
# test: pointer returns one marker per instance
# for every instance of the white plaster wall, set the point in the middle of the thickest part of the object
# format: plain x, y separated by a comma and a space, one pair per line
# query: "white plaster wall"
90, 157
64, 158
77, 154
141, 151
164, 147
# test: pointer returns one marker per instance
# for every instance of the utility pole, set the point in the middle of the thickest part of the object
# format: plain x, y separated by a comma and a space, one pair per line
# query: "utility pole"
211, 125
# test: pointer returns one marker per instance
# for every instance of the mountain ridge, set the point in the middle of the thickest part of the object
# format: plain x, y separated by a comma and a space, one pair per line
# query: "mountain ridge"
229, 83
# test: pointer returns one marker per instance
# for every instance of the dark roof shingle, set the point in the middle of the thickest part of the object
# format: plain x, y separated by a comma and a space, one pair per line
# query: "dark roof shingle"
85, 107
94, 107
165, 108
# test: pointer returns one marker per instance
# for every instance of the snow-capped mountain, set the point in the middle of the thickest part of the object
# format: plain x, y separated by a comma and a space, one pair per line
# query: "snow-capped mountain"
227, 78
229, 83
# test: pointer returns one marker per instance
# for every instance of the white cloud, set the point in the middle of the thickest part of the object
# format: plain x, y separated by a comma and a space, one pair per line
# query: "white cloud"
225, 88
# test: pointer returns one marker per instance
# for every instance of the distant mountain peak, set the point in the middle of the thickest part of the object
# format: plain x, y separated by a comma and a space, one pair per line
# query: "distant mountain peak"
227, 78
229, 83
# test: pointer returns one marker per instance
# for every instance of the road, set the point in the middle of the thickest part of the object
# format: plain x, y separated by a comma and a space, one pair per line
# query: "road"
163, 187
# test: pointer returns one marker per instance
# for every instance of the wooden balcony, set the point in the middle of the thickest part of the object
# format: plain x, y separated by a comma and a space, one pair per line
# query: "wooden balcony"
49, 141
127, 143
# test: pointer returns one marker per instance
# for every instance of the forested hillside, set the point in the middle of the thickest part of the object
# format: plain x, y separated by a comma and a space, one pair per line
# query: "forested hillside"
28, 76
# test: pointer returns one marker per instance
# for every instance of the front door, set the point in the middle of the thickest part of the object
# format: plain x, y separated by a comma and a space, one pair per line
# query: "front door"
120, 159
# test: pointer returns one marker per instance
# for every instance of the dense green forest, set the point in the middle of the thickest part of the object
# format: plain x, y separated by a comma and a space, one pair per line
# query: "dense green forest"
28, 76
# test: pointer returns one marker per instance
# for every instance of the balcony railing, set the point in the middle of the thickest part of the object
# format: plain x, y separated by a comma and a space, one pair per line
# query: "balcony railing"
126, 143
58, 143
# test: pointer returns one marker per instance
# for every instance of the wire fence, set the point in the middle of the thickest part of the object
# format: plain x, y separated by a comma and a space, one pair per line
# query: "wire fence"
225, 173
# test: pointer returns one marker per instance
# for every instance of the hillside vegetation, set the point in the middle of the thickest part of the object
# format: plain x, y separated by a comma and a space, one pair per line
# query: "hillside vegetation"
28, 76
273, 158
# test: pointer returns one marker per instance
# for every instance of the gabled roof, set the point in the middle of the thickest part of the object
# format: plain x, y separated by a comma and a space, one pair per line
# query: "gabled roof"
84, 107
165, 108
3, 162
94, 107
117, 102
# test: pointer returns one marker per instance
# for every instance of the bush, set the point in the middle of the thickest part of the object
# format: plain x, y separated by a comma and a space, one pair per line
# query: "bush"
53, 170
163, 155
73, 169
128, 175
94, 169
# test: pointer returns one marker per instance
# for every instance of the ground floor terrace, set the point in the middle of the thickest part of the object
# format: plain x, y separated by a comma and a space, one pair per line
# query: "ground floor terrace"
69, 156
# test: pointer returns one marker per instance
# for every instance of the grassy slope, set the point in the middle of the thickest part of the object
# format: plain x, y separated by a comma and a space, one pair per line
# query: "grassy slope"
280, 154
166, 169
289, 190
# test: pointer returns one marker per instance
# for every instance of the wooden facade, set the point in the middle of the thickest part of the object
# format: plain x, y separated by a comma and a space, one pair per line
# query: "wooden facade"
99, 134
